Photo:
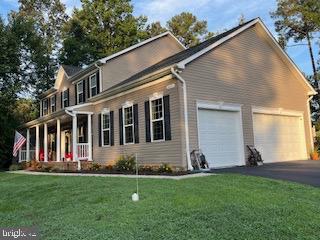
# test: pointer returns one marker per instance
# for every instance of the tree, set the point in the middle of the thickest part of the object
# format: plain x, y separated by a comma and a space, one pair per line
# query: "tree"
155, 29
98, 29
188, 29
298, 20
47, 18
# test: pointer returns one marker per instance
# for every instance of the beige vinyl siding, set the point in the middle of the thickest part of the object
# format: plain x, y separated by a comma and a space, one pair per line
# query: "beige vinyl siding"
153, 153
245, 70
124, 66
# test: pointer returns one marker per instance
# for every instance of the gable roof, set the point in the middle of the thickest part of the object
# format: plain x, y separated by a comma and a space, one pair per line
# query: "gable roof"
71, 70
167, 33
184, 57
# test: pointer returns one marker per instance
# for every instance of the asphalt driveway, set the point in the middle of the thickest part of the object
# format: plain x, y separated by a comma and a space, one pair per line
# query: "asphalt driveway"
306, 172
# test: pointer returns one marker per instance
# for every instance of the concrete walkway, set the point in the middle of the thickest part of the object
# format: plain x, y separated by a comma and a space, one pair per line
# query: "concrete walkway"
114, 175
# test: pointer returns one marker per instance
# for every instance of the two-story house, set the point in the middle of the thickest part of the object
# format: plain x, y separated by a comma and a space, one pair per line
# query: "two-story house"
161, 101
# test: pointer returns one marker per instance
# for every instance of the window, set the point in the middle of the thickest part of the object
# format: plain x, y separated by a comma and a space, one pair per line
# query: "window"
128, 125
80, 93
53, 103
157, 120
81, 134
45, 106
65, 98
105, 129
93, 85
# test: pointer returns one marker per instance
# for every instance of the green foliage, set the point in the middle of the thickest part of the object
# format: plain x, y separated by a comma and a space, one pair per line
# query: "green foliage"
126, 163
98, 29
188, 29
95, 167
165, 168
15, 167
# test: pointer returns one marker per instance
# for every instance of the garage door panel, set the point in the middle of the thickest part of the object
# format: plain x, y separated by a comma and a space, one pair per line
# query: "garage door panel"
279, 138
220, 137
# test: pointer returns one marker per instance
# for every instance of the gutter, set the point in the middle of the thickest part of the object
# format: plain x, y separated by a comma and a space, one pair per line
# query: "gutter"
186, 121
100, 75
310, 125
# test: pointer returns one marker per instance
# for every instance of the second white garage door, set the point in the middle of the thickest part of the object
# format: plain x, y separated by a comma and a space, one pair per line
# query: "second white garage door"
279, 138
220, 137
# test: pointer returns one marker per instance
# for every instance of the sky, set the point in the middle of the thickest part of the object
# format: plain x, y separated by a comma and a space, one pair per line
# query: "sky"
220, 15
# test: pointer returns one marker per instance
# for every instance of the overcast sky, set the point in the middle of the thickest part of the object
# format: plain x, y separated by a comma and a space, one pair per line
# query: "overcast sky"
220, 15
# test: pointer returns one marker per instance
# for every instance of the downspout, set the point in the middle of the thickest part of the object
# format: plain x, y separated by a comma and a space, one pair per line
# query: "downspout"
186, 121
310, 125
100, 76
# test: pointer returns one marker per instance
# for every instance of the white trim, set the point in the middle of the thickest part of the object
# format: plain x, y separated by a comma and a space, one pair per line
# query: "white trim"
127, 105
28, 145
104, 60
186, 120
276, 111
235, 107
105, 113
65, 98
309, 123
89, 120
59, 78
183, 63
58, 142
222, 106
82, 112
156, 95
151, 99
96, 86
81, 92
53, 103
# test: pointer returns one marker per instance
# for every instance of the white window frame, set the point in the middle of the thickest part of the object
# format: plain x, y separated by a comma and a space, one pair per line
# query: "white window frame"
104, 113
80, 92
64, 98
127, 105
153, 98
53, 103
95, 86
45, 106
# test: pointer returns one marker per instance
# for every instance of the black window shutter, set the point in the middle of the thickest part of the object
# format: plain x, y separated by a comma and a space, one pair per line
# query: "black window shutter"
68, 98
75, 94
98, 82
49, 105
120, 127
167, 124
84, 90
61, 103
88, 87
111, 128
136, 123
147, 118
99, 128
55, 102
41, 107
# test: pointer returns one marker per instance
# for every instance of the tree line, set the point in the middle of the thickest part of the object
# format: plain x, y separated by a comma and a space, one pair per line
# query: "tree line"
40, 35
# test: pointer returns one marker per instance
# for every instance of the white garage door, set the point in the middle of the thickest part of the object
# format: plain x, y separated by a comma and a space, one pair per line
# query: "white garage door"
220, 137
279, 138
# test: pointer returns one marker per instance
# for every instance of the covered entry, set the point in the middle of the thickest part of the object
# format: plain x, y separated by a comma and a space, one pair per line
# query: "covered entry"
220, 134
279, 135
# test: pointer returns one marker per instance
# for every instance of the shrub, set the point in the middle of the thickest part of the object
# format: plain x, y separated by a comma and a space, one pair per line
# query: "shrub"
146, 169
165, 168
95, 167
126, 163
15, 167
35, 165
46, 168
109, 167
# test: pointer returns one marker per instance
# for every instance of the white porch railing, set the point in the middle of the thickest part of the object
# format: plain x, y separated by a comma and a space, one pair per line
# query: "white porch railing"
23, 155
83, 151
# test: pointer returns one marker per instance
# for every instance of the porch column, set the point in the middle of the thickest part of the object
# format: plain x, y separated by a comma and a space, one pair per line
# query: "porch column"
28, 145
89, 138
74, 138
45, 141
37, 143
58, 157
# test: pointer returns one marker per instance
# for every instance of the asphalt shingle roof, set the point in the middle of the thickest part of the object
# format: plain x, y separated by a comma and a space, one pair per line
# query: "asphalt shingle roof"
71, 70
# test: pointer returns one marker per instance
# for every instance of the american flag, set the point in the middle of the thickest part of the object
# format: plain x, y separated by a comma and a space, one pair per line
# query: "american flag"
19, 140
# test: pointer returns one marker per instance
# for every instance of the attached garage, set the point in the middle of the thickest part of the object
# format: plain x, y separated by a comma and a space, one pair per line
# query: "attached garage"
220, 134
279, 135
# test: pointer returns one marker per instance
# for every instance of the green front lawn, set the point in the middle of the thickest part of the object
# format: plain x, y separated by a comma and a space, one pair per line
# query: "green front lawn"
213, 207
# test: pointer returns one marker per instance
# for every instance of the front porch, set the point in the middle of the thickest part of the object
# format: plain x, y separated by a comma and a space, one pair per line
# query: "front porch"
54, 141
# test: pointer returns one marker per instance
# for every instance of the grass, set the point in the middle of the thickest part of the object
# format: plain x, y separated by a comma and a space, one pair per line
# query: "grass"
214, 207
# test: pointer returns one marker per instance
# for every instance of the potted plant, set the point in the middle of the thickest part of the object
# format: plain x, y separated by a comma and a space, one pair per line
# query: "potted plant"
314, 155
